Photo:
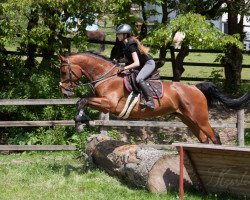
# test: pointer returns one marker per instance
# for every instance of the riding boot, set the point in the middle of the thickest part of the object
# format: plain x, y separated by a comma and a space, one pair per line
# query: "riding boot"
146, 93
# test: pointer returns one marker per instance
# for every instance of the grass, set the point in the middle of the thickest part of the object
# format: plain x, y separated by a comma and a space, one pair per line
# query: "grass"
62, 176
203, 72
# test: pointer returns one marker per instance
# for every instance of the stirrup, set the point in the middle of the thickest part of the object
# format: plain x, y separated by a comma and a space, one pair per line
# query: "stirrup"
150, 105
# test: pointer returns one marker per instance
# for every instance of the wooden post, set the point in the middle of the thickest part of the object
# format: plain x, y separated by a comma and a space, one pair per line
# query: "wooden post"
173, 61
103, 129
240, 127
181, 182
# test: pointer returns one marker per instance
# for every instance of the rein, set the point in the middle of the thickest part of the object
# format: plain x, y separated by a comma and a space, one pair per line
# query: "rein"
102, 77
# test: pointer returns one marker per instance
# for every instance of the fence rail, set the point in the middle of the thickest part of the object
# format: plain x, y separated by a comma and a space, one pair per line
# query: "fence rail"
240, 124
171, 59
117, 123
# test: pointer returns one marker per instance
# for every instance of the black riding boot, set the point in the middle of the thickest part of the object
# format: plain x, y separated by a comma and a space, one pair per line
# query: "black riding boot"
146, 92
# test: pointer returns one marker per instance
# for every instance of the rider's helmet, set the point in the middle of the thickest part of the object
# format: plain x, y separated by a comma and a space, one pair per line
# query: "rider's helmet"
124, 28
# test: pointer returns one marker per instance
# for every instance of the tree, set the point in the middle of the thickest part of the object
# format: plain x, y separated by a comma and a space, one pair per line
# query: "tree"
237, 10
43, 26
199, 34
34, 27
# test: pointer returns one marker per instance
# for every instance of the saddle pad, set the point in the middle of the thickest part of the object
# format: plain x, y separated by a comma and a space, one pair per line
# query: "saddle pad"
132, 99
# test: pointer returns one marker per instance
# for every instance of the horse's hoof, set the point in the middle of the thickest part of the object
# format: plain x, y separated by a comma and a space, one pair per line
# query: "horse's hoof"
81, 119
79, 127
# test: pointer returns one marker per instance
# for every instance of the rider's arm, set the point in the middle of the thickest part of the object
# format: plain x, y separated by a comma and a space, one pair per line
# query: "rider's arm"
136, 62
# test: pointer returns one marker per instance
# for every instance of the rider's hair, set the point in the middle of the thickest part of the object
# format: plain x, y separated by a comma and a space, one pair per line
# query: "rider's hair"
141, 47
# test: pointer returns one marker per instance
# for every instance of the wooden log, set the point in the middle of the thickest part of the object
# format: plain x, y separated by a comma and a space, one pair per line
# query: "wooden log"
138, 166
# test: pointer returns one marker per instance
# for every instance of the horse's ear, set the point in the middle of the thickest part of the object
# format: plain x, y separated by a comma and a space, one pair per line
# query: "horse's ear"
62, 58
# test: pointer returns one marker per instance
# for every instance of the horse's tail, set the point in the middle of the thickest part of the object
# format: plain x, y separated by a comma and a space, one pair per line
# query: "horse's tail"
215, 95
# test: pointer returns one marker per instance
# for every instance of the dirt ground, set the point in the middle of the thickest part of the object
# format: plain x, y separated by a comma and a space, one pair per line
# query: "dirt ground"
168, 135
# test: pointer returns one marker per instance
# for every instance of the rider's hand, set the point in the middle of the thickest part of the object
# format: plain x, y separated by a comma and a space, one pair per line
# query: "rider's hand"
122, 68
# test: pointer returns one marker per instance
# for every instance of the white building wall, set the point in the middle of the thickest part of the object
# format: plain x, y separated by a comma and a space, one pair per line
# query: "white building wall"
154, 18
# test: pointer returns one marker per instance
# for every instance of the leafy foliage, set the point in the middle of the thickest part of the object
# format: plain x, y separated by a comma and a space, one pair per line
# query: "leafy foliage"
39, 27
199, 34
37, 22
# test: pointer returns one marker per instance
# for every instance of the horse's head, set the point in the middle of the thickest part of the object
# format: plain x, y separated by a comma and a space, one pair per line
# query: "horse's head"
70, 74
94, 67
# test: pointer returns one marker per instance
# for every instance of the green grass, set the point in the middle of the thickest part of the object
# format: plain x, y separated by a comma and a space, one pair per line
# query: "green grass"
203, 72
62, 176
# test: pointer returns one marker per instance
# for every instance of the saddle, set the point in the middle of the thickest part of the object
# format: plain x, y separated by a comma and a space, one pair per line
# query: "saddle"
155, 85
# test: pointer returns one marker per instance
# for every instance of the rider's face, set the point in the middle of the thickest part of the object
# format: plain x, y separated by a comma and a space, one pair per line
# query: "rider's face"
120, 36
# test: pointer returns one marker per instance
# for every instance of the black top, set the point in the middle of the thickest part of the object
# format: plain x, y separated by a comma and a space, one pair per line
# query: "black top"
131, 47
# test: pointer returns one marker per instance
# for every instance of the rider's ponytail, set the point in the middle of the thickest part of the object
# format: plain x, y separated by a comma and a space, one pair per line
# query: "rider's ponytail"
141, 47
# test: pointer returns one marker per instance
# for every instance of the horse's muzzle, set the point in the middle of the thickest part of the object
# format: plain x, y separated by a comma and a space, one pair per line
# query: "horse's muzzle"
67, 92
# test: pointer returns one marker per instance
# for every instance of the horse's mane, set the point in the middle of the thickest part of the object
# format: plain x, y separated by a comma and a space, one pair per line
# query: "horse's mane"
92, 53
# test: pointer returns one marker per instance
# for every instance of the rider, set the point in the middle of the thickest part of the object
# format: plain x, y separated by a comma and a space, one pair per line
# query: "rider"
137, 57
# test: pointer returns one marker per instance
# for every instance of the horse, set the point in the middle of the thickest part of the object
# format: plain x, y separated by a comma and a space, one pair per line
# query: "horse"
188, 102
98, 36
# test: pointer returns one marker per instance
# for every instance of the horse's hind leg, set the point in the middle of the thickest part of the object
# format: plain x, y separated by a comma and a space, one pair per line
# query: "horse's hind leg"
194, 128
201, 128
207, 129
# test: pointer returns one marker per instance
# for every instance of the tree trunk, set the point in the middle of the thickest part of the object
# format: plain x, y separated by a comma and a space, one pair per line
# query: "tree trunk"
136, 165
163, 49
178, 68
31, 48
232, 62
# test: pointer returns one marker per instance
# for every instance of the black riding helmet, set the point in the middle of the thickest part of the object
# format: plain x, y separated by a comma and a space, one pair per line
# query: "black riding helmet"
124, 28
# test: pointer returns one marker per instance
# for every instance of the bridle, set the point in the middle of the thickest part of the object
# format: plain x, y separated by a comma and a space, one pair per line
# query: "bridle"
71, 74
69, 80
77, 82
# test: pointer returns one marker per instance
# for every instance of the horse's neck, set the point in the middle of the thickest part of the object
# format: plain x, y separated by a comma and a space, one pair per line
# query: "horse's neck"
96, 68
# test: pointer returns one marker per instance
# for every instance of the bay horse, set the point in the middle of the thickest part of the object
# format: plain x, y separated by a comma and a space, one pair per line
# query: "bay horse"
97, 36
189, 103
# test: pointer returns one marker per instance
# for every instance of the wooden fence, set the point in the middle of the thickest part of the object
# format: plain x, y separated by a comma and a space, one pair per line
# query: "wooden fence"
170, 59
240, 125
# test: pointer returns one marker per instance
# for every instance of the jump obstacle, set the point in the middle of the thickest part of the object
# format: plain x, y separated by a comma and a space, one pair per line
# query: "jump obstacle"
215, 168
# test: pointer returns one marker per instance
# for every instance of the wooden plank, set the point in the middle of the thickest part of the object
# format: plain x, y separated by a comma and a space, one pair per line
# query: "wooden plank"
218, 153
18, 102
37, 123
228, 173
240, 127
152, 124
117, 123
222, 159
136, 123
211, 147
37, 147
237, 185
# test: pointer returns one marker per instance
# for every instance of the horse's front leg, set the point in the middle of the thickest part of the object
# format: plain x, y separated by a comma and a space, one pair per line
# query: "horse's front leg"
99, 103
81, 117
